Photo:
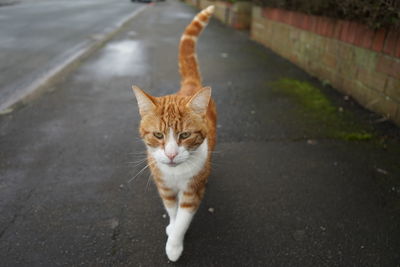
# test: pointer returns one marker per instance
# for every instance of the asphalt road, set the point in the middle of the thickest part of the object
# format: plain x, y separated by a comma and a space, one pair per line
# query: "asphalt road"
282, 192
38, 36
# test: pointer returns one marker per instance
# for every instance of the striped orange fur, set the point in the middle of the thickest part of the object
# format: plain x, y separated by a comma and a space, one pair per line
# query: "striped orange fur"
179, 131
188, 65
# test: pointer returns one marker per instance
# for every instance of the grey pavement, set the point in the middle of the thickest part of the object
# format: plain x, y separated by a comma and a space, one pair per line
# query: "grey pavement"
283, 192
38, 38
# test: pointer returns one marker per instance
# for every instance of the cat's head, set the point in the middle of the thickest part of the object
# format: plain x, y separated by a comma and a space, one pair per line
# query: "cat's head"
173, 127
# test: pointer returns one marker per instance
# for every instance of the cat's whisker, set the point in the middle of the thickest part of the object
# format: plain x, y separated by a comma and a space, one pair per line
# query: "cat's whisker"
138, 164
144, 168
148, 182
138, 161
137, 153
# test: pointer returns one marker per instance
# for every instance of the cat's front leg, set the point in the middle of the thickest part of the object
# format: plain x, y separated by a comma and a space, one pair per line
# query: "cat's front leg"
174, 246
170, 202
188, 204
172, 212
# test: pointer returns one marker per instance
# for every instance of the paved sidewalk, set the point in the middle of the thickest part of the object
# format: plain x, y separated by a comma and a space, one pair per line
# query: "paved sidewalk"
287, 187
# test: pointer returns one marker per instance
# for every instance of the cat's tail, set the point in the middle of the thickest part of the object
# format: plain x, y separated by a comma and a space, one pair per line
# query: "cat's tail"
188, 65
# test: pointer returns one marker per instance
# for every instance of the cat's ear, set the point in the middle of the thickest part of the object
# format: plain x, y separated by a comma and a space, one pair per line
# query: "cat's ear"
145, 102
199, 102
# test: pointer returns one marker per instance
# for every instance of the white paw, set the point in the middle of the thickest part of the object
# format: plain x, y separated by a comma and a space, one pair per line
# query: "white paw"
168, 229
173, 249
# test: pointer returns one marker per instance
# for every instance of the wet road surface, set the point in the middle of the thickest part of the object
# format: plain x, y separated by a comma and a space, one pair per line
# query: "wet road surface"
37, 36
281, 192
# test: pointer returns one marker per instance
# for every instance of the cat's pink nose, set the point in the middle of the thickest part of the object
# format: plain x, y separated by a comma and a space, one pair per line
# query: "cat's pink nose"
171, 156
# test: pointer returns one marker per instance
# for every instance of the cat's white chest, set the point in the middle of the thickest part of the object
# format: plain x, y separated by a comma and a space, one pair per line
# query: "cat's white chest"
177, 178
177, 182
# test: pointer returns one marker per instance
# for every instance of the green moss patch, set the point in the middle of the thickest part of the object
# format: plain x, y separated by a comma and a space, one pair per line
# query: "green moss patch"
318, 110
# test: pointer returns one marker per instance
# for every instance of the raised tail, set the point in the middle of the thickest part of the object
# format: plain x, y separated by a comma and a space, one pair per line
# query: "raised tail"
188, 65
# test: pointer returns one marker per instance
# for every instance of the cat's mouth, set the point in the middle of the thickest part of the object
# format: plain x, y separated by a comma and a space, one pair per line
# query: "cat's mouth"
172, 164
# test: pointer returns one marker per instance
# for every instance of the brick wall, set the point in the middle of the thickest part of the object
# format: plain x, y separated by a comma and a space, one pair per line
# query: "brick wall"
223, 11
237, 15
354, 59
206, 3
195, 3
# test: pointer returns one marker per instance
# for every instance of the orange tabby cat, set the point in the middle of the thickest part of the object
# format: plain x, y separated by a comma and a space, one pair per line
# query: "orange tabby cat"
179, 132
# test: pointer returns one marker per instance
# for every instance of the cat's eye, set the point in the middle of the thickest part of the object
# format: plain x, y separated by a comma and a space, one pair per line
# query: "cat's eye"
158, 135
184, 135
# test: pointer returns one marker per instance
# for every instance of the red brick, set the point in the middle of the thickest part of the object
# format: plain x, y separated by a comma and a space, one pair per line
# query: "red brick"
323, 26
330, 27
274, 14
390, 43
313, 23
359, 34
352, 33
280, 15
306, 22
299, 19
277, 14
293, 17
295, 20
269, 13
283, 15
287, 15
316, 24
345, 28
379, 40
397, 53
338, 29
319, 25
368, 38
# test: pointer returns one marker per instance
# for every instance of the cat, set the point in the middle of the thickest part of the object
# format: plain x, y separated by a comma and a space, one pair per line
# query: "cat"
179, 132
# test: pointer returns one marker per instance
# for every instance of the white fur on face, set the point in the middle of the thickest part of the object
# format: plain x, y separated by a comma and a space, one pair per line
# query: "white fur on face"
189, 164
171, 147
